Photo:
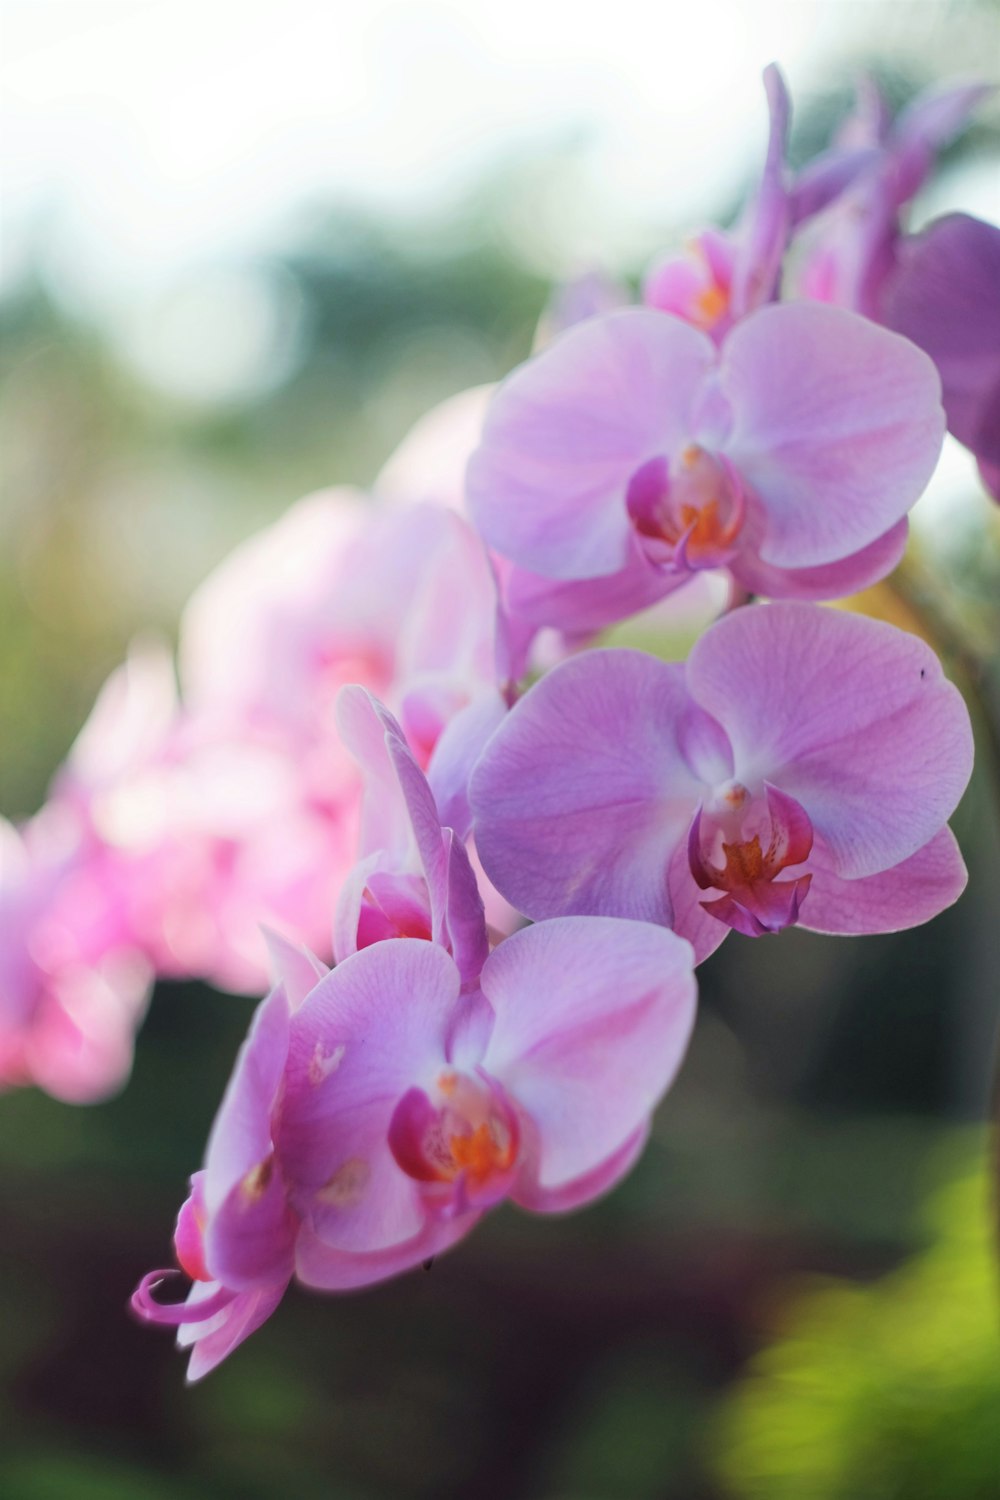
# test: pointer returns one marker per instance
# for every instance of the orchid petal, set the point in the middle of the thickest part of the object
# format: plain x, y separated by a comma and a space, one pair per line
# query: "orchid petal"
241, 1135
582, 794
837, 427
945, 296
319, 1265
913, 892
243, 1316
583, 1189
830, 580
294, 967
456, 752
590, 1061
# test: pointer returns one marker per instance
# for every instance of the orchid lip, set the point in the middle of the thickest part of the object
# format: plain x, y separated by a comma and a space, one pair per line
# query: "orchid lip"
688, 515
758, 837
461, 1145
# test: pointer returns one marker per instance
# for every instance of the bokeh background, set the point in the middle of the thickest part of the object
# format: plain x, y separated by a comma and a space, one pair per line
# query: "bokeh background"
245, 246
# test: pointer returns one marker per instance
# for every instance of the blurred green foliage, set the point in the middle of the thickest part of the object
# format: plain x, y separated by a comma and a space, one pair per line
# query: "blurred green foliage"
883, 1392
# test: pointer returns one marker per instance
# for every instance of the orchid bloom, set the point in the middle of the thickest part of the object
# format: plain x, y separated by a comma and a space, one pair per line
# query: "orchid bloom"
723, 277
440, 1104
377, 1111
414, 878
238, 1232
945, 296
799, 768
632, 452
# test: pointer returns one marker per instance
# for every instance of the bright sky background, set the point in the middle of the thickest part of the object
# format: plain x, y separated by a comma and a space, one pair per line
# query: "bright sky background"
153, 133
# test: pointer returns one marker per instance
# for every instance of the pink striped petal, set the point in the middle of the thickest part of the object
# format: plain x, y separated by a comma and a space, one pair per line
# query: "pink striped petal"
837, 427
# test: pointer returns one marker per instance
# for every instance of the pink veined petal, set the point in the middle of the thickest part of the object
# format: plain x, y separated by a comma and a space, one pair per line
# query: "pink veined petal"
394, 906
456, 752
423, 817
365, 724
319, 1265
837, 427
589, 1062
456, 909
582, 794
582, 606
243, 1316
241, 1135
374, 1027
851, 717
595, 1184
250, 1238
566, 431
905, 896
465, 919
294, 967
364, 1202
831, 580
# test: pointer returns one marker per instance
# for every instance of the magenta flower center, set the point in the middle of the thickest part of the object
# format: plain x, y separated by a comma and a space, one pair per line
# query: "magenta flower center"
688, 513
738, 844
461, 1141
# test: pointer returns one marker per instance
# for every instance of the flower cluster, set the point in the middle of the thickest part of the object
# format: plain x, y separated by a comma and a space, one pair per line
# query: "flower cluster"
356, 767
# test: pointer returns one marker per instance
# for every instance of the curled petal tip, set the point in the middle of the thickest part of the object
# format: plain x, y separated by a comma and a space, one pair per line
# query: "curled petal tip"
173, 1314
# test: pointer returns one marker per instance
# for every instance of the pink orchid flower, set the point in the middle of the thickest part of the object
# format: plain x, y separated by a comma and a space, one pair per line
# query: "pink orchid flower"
237, 1233
799, 768
377, 1111
441, 1104
633, 452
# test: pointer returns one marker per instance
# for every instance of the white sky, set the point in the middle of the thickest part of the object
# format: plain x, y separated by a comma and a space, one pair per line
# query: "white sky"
143, 142
158, 131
